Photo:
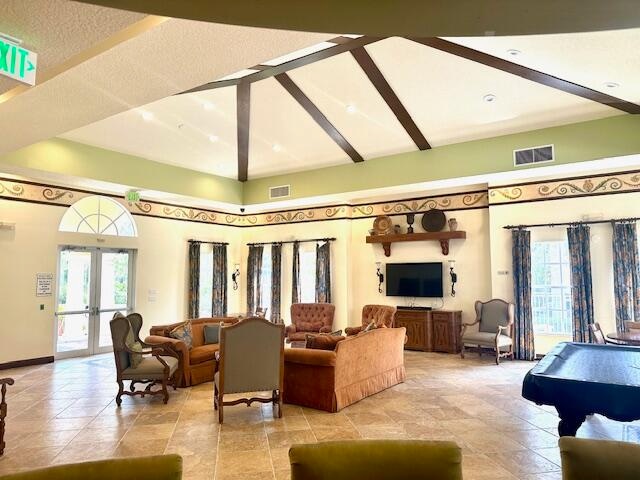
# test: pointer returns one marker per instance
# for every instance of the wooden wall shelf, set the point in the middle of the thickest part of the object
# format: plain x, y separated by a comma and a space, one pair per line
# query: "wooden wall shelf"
442, 237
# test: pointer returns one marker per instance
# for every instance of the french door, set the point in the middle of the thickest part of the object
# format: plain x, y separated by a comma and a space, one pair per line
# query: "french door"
93, 284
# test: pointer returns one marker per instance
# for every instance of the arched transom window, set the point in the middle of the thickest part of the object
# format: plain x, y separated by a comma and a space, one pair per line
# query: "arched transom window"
100, 215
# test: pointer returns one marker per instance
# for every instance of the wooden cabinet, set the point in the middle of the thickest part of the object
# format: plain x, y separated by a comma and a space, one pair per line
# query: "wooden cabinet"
430, 330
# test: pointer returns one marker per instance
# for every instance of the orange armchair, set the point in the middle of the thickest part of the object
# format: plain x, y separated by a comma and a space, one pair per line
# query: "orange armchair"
309, 318
381, 315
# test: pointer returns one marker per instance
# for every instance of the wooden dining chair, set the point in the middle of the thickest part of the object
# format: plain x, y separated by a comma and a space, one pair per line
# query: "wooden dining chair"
597, 333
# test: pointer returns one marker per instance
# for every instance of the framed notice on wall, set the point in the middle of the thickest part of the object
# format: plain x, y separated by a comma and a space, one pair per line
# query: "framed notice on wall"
44, 284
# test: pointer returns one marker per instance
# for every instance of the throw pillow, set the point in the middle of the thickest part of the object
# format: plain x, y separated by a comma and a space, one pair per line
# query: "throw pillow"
211, 334
337, 333
371, 326
183, 332
323, 342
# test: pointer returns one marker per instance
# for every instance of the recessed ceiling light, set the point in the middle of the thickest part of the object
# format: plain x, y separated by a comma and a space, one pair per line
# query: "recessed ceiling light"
490, 97
276, 147
351, 108
611, 84
208, 106
513, 52
147, 116
213, 138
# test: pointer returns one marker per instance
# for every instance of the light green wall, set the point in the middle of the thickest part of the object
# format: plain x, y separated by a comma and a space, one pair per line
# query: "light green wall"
610, 137
77, 159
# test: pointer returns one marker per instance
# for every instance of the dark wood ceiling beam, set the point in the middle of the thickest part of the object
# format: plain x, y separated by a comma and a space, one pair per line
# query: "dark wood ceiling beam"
290, 65
528, 73
315, 113
376, 77
243, 106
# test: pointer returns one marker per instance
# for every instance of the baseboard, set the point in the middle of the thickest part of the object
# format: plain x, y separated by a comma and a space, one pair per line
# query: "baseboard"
26, 363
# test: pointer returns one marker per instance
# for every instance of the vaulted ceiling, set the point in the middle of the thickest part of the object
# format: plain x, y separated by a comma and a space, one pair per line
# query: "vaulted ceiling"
353, 98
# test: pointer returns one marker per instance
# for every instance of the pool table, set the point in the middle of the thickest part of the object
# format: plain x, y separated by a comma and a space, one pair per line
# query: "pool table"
581, 379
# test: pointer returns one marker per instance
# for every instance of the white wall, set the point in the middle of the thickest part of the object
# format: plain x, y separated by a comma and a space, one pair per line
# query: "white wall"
28, 332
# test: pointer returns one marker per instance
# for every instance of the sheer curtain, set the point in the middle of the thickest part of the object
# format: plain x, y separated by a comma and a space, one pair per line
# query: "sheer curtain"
523, 343
581, 287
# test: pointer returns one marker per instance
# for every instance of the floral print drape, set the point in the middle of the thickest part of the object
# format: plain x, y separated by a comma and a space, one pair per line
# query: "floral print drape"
581, 287
219, 290
626, 276
323, 273
524, 348
254, 268
194, 279
295, 286
276, 281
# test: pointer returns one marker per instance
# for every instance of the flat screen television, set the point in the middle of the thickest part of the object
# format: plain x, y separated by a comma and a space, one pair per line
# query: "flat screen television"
414, 279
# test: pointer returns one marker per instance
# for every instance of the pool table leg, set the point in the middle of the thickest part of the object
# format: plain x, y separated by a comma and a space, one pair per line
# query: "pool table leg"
570, 423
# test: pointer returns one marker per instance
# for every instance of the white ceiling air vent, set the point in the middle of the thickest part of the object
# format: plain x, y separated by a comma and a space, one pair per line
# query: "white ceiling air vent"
279, 192
527, 156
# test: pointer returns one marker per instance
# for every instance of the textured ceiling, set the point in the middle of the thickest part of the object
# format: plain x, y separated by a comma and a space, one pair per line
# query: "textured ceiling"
444, 95
58, 29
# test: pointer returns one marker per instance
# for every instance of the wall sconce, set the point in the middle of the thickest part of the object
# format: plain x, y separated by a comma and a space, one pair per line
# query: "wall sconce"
235, 276
380, 276
454, 277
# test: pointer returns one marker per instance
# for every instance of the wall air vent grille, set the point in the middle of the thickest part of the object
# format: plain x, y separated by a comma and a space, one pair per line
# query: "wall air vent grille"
279, 192
528, 156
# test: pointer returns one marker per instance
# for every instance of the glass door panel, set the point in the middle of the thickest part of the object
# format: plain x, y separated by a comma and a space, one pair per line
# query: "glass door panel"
73, 333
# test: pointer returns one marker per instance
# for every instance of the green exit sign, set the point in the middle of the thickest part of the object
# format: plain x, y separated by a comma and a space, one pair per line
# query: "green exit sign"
17, 62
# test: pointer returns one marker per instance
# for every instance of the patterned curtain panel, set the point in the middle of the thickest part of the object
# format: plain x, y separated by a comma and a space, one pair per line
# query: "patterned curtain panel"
581, 288
254, 267
295, 286
323, 273
524, 348
194, 279
219, 290
276, 281
626, 276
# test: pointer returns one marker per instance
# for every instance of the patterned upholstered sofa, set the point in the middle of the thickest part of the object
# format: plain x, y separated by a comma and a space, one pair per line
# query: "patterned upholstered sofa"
380, 315
309, 318
198, 363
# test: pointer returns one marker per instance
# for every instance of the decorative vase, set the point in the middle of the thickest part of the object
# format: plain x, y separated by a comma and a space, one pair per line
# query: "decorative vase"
453, 224
410, 219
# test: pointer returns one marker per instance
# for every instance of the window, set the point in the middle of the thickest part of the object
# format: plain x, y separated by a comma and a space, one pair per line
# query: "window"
206, 280
308, 275
265, 280
101, 215
551, 288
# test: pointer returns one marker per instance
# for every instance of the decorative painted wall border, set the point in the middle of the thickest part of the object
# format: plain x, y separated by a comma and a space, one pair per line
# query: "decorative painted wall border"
54, 195
602, 184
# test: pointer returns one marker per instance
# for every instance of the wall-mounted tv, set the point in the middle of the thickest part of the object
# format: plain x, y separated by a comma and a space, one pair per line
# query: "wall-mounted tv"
414, 279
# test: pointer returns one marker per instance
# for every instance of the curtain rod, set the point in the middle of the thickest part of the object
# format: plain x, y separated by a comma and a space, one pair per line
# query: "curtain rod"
561, 224
210, 243
292, 241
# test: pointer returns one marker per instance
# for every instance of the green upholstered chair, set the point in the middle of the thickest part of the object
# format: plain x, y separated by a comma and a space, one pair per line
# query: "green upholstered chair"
250, 359
376, 460
587, 459
157, 364
161, 467
495, 328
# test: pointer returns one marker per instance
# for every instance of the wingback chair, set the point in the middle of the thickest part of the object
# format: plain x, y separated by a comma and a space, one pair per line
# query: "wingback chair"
157, 364
309, 318
380, 315
3, 408
495, 328
250, 359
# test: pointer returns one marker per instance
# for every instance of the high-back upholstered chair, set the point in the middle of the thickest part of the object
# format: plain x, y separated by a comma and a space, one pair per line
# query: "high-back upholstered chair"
380, 315
159, 467
158, 363
3, 408
495, 328
251, 359
376, 460
587, 459
309, 318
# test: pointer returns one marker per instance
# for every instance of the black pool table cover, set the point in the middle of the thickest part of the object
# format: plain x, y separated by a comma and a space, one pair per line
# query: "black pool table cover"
580, 379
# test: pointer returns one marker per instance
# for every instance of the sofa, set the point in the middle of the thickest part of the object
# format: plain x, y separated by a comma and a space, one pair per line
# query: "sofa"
360, 366
197, 364
379, 315
309, 318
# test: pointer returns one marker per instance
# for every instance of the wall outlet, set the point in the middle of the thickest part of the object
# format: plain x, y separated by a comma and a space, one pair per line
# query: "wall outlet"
41, 306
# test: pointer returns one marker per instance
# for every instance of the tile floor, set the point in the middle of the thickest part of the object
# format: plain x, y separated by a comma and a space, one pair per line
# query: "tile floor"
65, 412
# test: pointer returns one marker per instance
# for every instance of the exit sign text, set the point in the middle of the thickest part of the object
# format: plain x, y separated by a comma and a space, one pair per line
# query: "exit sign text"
17, 62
